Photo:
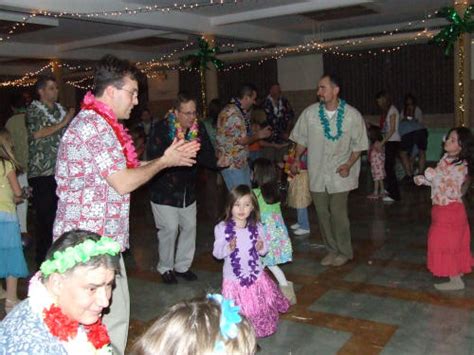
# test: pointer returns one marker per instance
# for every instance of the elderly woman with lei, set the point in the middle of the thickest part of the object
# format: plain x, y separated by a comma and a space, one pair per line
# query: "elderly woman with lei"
62, 314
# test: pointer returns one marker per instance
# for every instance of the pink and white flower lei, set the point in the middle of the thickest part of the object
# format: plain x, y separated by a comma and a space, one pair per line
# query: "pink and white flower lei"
40, 301
90, 103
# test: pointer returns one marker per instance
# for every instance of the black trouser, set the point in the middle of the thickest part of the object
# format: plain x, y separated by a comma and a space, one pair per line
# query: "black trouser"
391, 183
45, 203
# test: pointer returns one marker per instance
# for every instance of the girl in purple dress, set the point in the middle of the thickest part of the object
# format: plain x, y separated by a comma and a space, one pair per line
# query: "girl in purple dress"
239, 241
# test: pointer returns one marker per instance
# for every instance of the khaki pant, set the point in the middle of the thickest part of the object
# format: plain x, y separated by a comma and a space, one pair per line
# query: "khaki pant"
333, 221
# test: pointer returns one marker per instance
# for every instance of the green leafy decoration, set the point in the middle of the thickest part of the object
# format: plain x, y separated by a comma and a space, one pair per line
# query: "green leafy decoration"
458, 25
203, 57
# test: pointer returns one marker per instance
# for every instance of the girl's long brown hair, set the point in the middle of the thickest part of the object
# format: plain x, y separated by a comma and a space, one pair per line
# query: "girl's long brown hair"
466, 142
239, 192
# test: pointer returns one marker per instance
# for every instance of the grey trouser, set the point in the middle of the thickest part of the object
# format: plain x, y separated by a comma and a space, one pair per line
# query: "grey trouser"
171, 220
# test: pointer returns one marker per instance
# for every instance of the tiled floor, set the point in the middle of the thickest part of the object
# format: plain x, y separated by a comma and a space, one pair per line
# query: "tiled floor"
383, 302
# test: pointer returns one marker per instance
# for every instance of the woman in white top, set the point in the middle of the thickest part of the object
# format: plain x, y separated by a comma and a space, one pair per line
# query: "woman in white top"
389, 124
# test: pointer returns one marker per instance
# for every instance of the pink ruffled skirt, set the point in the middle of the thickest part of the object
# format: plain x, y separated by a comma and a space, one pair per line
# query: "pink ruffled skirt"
449, 241
260, 303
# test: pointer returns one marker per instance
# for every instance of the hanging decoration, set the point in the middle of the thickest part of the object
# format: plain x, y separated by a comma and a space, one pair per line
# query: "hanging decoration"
200, 61
458, 25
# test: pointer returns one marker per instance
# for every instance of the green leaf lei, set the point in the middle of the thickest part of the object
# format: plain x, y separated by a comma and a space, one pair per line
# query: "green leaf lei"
81, 253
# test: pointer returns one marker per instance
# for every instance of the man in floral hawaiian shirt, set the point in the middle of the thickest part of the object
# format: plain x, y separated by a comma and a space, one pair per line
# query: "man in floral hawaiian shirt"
45, 122
97, 168
233, 137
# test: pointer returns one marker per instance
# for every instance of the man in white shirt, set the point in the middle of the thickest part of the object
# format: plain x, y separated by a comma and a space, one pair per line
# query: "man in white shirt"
335, 135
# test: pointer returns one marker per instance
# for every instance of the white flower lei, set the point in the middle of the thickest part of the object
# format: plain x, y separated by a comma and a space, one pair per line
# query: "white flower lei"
277, 106
43, 108
40, 300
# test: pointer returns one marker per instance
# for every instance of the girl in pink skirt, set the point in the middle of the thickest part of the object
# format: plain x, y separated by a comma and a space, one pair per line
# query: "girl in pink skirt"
449, 238
239, 241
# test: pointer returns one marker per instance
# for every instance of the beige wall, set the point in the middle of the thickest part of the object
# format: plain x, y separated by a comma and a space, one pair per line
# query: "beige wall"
300, 72
298, 77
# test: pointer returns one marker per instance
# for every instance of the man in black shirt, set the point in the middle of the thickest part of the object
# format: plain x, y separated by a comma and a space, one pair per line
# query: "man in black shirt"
173, 192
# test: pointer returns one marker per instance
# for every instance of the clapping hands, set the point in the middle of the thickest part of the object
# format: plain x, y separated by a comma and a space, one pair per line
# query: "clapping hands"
181, 153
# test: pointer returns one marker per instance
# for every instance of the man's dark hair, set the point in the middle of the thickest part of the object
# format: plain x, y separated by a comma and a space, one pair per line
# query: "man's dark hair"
273, 83
18, 101
183, 97
381, 93
247, 90
333, 78
41, 83
111, 71
412, 97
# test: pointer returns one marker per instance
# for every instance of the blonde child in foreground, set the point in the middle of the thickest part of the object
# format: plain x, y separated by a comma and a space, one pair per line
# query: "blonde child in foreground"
449, 238
12, 260
202, 326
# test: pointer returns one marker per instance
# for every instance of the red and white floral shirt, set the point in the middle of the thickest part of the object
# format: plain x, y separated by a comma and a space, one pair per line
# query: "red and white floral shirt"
446, 181
89, 152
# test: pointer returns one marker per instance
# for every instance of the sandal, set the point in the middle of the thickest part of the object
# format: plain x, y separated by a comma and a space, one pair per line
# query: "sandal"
10, 304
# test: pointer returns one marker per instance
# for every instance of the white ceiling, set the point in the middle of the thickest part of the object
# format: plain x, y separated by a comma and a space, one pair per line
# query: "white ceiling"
244, 23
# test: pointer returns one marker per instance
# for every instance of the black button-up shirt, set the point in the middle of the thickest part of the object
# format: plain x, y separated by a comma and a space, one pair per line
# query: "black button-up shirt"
176, 186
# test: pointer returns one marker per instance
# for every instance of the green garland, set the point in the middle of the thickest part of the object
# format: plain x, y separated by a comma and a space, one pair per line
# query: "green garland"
458, 25
81, 253
205, 55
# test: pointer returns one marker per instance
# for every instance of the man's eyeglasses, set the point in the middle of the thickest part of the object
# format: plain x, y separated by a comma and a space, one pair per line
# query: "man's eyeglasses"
189, 114
134, 93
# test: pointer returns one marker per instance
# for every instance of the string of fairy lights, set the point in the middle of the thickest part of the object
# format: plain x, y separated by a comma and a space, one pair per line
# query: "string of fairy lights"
27, 79
115, 13
313, 46
155, 67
